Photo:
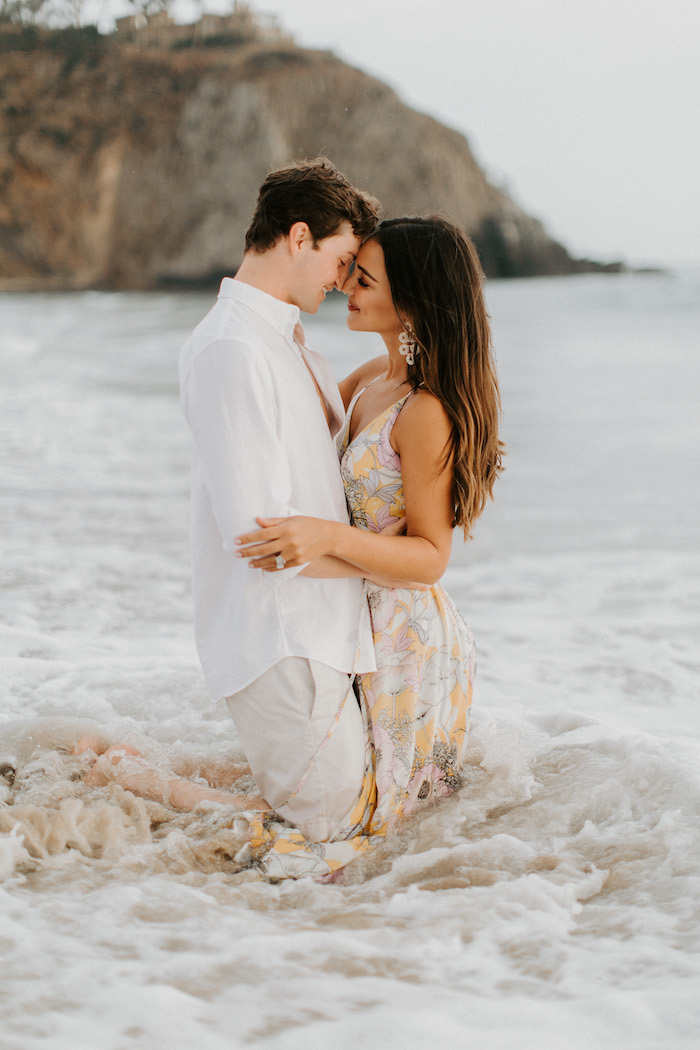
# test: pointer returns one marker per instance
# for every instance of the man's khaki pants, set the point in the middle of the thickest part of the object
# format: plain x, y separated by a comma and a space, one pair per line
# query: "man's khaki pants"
283, 719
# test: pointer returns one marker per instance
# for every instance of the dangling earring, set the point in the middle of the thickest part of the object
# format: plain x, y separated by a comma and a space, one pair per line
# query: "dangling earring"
408, 346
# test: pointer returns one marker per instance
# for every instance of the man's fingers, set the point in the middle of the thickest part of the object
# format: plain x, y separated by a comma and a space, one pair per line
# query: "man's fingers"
397, 528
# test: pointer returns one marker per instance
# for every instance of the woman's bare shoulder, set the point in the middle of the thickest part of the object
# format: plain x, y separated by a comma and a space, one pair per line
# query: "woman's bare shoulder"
424, 418
363, 375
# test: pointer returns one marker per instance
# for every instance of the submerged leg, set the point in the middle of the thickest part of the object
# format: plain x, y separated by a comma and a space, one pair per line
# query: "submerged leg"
123, 765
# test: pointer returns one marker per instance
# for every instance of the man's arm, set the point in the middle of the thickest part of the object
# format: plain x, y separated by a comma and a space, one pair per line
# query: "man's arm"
422, 554
230, 404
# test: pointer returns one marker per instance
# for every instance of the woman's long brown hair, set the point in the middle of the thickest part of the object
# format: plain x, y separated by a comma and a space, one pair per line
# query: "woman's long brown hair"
436, 284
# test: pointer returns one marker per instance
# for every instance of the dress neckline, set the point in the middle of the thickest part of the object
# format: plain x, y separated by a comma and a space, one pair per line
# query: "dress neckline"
351, 408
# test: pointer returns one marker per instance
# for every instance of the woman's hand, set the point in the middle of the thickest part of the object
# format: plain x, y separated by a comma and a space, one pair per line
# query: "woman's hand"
298, 540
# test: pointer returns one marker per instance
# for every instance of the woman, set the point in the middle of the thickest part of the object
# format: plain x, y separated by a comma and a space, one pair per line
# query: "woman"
420, 446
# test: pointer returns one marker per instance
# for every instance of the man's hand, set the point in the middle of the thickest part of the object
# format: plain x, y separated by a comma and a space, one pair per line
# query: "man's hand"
396, 528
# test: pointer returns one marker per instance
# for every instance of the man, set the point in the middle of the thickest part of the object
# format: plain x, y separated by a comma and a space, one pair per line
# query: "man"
262, 408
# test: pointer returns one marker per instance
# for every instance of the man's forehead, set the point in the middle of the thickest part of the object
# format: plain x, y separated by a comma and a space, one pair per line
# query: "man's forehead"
346, 240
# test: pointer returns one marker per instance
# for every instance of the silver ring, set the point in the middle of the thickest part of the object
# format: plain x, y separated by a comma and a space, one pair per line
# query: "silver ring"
280, 562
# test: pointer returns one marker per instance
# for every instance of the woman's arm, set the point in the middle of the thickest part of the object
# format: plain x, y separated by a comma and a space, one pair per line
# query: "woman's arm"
420, 436
323, 568
328, 567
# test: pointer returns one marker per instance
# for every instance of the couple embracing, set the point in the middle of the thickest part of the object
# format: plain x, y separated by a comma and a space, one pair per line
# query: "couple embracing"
322, 518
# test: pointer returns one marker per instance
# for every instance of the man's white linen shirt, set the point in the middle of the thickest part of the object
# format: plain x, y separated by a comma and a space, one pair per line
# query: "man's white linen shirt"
262, 447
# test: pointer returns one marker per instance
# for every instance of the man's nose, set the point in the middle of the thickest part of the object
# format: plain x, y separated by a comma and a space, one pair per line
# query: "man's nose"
348, 284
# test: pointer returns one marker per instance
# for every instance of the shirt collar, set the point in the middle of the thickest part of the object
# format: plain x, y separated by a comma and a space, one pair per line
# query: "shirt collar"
282, 316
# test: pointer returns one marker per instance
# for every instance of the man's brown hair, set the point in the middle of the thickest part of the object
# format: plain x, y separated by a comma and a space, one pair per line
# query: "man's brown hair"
314, 192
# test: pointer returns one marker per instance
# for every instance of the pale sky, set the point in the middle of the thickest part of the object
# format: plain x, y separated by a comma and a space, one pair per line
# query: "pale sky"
585, 110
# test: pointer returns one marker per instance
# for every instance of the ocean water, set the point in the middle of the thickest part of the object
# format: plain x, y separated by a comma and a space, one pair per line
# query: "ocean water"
554, 901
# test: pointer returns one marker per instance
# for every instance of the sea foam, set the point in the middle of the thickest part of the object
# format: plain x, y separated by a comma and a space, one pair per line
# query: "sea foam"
554, 898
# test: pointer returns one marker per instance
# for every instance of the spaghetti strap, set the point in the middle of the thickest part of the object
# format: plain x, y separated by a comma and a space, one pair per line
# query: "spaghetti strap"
353, 402
344, 440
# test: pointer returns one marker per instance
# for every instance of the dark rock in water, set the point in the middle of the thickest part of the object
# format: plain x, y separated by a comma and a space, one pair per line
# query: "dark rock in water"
8, 769
128, 168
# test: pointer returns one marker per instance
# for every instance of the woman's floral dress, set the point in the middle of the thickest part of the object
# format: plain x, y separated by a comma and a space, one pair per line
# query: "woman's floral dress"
415, 705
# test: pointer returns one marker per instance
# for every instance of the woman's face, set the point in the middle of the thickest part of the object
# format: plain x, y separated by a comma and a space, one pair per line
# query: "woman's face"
370, 306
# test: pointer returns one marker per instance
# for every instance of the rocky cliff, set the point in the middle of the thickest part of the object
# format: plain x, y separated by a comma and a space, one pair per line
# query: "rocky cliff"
126, 168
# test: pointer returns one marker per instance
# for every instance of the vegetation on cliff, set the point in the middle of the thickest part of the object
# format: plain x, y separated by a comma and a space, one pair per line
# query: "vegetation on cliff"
132, 166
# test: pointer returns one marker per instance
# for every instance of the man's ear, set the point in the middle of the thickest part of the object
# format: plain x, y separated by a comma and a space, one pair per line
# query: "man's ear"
299, 232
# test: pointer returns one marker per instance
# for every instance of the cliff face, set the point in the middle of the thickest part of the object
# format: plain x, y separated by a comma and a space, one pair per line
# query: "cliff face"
131, 169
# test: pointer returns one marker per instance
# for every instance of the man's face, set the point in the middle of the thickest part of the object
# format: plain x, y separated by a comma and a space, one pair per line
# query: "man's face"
320, 269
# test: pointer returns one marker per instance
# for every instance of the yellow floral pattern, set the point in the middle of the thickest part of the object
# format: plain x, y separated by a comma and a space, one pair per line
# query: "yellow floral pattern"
415, 705
419, 697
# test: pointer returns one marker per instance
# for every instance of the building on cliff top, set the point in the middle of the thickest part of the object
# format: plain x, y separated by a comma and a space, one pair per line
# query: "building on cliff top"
240, 26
